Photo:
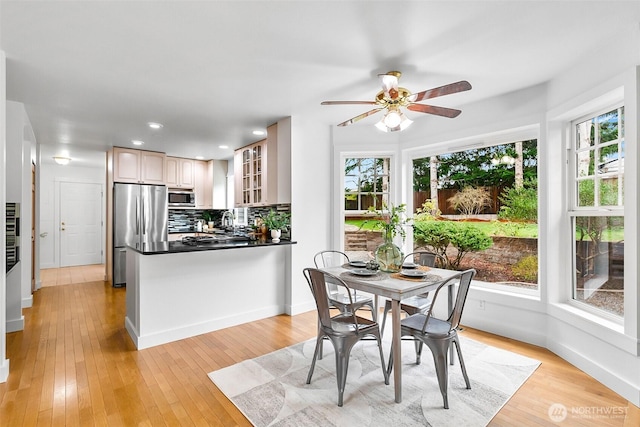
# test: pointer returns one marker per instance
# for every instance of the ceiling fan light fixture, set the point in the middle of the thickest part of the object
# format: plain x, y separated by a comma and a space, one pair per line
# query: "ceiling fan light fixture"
62, 160
393, 121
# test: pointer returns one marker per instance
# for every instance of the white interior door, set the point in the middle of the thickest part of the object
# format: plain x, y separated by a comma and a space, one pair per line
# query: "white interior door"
80, 224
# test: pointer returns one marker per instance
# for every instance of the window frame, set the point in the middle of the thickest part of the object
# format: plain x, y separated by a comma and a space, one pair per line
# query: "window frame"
388, 193
574, 210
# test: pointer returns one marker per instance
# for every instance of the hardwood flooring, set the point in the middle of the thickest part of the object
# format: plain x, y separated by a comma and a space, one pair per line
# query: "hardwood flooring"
69, 275
75, 365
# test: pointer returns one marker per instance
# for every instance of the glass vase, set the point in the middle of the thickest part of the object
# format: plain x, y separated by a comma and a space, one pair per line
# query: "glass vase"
388, 255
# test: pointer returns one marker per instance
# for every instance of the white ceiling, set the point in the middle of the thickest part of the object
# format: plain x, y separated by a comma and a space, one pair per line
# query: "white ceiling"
92, 74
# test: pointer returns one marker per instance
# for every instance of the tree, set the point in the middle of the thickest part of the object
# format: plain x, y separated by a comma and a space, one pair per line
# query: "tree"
474, 167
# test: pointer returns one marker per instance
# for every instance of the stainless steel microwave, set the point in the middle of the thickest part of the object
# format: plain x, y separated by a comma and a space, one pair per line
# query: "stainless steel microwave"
181, 198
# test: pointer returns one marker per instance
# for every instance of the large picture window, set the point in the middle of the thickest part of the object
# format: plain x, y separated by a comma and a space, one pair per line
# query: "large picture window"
597, 211
478, 208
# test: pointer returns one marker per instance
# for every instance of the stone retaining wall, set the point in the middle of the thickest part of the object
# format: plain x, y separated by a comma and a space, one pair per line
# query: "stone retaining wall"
505, 250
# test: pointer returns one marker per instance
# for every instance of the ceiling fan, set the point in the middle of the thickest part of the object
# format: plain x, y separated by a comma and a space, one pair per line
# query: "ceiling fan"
393, 98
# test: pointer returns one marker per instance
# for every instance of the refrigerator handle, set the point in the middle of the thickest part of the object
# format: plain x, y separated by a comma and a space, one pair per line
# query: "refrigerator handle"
144, 229
137, 217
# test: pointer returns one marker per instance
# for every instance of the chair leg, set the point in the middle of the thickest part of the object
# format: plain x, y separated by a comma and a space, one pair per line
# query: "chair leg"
464, 369
374, 315
439, 350
390, 365
387, 307
384, 369
343, 350
315, 356
418, 345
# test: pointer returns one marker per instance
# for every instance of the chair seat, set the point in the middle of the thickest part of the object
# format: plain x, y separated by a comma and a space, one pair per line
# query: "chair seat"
344, 323
435, 327
344, 298
418, 303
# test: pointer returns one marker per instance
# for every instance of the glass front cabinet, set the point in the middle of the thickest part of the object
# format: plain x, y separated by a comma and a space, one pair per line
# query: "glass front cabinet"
250, 179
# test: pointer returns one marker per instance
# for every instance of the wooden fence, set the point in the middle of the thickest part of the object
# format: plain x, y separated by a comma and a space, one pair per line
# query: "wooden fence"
419, 197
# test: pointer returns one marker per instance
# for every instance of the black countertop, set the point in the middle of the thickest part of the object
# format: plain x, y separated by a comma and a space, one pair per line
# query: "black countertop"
157, 248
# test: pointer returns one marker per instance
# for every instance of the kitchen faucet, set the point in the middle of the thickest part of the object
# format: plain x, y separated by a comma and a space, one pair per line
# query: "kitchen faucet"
227, 219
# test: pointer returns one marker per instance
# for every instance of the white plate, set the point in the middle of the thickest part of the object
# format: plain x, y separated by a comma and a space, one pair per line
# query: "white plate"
413, 273
363, 272
409, 265
359, 264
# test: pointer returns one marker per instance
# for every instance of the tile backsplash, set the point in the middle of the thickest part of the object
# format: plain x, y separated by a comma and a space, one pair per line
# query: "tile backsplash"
184, 220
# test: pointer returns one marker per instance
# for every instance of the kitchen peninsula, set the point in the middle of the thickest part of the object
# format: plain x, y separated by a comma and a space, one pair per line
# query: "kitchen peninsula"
176, 290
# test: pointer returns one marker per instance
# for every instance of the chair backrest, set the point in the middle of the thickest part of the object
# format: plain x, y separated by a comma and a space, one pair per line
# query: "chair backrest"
464, 284
318, 281
425, 258
330, 258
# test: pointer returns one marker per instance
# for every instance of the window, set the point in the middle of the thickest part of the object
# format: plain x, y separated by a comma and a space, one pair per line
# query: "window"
597, 211
366, 183
486, 201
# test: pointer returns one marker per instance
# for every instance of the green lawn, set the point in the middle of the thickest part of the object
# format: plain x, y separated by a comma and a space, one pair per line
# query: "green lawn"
492, 228
506, 229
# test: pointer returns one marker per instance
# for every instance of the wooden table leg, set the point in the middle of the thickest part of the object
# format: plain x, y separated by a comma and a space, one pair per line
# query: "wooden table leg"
397, 353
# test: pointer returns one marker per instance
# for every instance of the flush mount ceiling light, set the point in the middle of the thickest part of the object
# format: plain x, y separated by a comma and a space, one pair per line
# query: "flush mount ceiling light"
154, 125
393, 98
61, 160
258, 132
223, 146
137, 142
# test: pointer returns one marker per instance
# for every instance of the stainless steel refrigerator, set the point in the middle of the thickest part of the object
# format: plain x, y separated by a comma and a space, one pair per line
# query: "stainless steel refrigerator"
139, 216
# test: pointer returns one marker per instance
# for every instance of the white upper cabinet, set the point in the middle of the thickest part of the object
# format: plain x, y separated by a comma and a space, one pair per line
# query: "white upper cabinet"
179, 172
138, 166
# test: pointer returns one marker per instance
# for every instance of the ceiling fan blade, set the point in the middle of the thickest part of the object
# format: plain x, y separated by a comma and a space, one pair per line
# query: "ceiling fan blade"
347, 102
460, 86
431, 109
360, 117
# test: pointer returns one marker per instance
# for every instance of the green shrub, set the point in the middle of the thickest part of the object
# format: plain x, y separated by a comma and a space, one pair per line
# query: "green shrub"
520, 204
439, 235
526, 269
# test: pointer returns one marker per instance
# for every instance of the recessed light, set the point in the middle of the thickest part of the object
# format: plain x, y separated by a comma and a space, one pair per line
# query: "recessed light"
199, 158
258, 132
223, 146
154, 125
137, 142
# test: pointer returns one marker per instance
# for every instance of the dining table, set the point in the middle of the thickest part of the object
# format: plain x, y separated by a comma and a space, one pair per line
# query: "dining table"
395, 286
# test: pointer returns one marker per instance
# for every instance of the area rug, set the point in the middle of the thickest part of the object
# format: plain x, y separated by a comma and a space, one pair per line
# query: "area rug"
271, 390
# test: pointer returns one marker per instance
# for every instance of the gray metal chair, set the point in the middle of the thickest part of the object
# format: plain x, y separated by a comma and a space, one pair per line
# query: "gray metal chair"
438, 334
419, 303
337, 297
343, 330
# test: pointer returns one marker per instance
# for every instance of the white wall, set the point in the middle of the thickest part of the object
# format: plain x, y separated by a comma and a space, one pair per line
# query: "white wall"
4, 362
51, 174
311, 210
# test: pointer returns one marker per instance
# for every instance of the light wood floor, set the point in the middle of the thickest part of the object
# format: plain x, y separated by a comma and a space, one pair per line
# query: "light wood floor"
69, 275
75, 365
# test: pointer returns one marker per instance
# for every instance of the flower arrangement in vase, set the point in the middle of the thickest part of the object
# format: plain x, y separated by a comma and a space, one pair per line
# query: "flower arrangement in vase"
392, 220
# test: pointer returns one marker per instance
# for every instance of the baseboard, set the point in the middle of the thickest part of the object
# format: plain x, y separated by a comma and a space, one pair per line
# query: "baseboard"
292, 310
617, 383
4, 371
27, 302
15, 325
166, 336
